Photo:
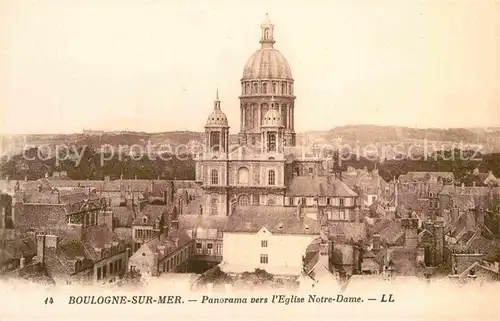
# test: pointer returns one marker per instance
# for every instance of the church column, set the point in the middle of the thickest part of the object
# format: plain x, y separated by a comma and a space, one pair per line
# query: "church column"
241, 117
244, 126
209, 136
221, 141
292, 118
281, 114
260, 115
288, 116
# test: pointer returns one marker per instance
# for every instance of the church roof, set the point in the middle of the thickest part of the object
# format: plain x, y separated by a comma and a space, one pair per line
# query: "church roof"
277, 219
318, 186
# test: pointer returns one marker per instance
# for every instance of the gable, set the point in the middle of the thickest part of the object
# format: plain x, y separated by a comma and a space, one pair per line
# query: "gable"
264, 232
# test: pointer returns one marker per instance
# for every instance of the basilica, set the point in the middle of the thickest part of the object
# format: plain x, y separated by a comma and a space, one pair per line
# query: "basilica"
267, 167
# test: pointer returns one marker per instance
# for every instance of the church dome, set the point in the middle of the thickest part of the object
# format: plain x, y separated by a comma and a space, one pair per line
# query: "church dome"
217, 118
267, 62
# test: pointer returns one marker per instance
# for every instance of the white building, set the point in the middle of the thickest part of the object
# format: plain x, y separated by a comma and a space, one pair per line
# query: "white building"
274, 240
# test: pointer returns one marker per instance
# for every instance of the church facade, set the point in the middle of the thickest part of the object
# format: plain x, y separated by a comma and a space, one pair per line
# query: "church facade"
260, 170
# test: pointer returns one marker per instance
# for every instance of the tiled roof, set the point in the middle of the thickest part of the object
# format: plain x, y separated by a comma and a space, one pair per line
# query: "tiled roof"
99, 236
404, 260
168, 242
390, 231
40, 216
152, 212
124, 215
202, 221
354, 231
488, 248
277, 219
318, 186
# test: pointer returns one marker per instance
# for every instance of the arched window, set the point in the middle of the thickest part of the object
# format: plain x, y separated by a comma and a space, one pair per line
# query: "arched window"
214, 208
271, 177
271, 142
253, 140
266, 34
215, 141
255, 88
270, 201
264, 88
243, 200
243, 175
214, 177
275, 88
247, 88
283, 88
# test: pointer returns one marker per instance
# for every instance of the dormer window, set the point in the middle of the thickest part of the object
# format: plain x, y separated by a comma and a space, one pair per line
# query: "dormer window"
280, 226
144, 220
306, 227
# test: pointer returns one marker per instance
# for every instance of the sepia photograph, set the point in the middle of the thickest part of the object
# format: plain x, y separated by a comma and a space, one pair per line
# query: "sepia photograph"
253, 160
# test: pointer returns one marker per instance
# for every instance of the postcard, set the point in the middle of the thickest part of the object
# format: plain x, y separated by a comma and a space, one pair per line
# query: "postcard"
249, 160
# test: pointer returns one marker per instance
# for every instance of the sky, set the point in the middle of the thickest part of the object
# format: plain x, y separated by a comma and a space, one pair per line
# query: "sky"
155, 65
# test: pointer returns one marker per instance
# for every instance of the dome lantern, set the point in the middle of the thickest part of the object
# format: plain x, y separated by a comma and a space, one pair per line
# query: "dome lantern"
217, 118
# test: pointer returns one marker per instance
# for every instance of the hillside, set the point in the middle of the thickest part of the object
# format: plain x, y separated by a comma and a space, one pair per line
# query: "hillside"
363, 134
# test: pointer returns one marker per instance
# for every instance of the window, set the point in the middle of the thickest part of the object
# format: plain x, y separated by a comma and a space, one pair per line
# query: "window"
243, 200
256, 199
275, 88
218, 250
210, 247
264, 88
98, 273
198, 248
283, 88
271, 145
270, 201
342, 215
271, 179
111, 268
255, 88
215, 141
311, 170
214, 208
214, 177
104, 271
328, 201
341, 202
243, 175
144, 220
264, 259
253, 140
263, 243
247, 88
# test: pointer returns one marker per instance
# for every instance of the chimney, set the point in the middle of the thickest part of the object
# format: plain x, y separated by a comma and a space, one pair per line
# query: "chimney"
40, 247
376, 242
51, 241
300, 215
439, 241
324, 254
410, 226
155, 269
